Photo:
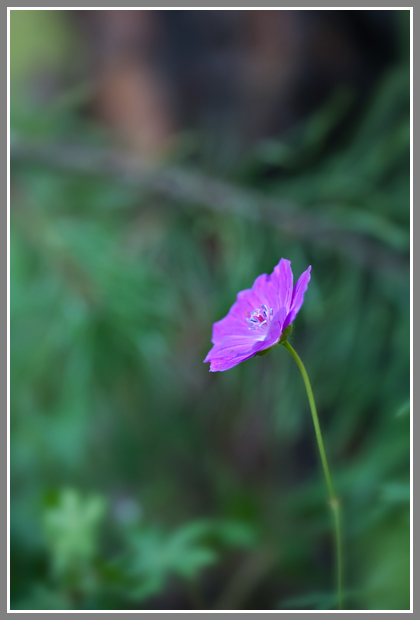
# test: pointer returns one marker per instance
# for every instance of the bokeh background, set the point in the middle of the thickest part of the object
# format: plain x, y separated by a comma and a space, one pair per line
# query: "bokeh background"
160, 161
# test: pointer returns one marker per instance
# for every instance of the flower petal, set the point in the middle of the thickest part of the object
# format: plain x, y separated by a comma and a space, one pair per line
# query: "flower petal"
276, 328
265, 293
234, 325
235, 322
298, 295
229, 354
233, 351
220, 364
229, 349
282, 282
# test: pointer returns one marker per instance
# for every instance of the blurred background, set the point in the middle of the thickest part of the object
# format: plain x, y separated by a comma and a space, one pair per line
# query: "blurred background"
160, 161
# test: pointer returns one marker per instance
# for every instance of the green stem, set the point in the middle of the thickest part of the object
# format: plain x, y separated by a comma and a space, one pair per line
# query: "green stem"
334, 503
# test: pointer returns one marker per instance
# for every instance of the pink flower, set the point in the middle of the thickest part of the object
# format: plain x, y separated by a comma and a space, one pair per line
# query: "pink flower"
258, 318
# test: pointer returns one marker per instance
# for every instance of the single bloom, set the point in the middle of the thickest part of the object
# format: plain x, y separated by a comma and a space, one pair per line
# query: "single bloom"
258, 318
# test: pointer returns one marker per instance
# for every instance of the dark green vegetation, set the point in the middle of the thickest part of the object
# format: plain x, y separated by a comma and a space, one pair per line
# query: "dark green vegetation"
138, 479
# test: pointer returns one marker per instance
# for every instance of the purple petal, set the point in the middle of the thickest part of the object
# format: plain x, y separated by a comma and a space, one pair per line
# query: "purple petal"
231, 326
229, 349
265, 293
274, 332
298, 295
227, 355
233, 351
275, 329
282, 281
224, 364
234, 324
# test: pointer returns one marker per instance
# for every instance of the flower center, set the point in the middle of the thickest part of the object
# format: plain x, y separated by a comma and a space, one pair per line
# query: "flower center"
260, 317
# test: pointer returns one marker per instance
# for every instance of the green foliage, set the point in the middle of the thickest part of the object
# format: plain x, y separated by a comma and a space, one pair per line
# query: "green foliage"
70, 528
153, 555
141, 481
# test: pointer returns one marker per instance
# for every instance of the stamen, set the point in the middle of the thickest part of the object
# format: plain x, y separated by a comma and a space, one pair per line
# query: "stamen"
260, 317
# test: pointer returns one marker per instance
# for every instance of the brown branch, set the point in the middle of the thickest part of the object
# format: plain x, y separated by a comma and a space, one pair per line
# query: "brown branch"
203, 191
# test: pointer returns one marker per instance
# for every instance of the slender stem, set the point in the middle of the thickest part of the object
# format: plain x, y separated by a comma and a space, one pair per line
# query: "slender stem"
334, 503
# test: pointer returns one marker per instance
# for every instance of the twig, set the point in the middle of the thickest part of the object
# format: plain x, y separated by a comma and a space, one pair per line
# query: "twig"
203, 191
